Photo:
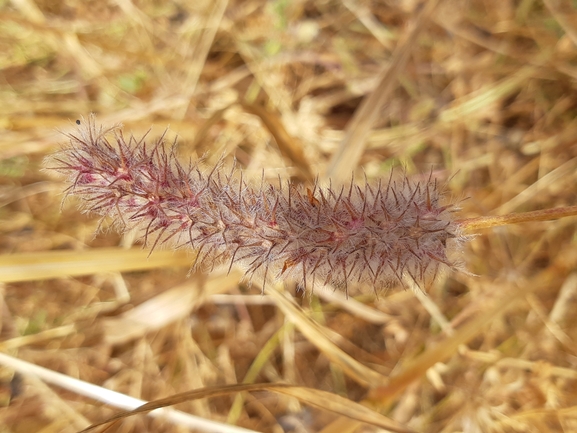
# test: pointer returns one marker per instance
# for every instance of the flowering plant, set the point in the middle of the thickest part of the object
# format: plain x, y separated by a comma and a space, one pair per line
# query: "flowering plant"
378, 233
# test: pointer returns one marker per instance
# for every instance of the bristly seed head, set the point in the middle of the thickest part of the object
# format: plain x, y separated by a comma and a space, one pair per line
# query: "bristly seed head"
380, 234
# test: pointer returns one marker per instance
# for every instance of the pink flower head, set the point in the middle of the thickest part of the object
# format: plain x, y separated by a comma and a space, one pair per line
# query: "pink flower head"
382, 233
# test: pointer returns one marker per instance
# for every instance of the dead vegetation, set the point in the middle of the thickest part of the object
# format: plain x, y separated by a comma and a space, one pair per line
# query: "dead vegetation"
481, 92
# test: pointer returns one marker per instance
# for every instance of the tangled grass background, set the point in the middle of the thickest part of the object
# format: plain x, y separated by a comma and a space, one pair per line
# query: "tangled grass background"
479, 95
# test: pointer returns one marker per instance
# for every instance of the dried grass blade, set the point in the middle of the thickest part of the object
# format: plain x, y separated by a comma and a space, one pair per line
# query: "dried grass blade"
202, 47
561, 173
337, 404
356, 308
165, 308
345, 160
291, 147
255, 368
319, 399
565, 15
475, 102
61, 264
49, 334
311, 330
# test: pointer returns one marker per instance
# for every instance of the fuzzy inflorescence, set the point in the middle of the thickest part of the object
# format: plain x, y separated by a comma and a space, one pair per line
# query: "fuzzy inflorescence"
381, 233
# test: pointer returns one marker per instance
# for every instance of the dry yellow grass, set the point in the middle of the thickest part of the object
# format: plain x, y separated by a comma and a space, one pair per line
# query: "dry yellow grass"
482, 92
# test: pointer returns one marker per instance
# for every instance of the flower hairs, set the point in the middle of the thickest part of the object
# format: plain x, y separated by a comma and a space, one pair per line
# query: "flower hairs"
393, 231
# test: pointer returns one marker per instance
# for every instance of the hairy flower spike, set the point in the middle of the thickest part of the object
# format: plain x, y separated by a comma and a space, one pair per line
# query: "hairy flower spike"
378, 234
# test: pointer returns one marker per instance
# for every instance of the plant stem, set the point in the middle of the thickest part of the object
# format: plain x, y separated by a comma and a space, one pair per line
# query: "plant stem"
475, 224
